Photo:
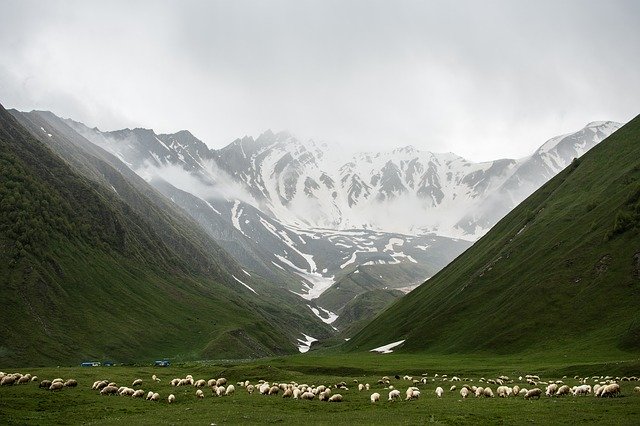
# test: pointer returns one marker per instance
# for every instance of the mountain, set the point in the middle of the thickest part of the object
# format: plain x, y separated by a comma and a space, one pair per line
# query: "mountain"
559, 273
95, 263
283, 206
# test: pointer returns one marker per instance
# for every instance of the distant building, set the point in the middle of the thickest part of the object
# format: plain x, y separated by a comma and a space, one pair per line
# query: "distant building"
90, 364
162, 363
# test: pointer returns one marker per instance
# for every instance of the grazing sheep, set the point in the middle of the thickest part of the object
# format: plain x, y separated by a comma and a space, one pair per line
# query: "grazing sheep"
199, 394
149, 395
138, 382
274, 390
502, 391
464, 392
479, 392
108, 390
71, 383
200, 383
551, 389
394, 395
375, 397
230, 390
56, 386
8, 380
175, 382
264, 388
439, 392
323, 396
308, 395
488, 393
360, 387
24, 379
636, 389
533, 393
610, 390
582, 390
452, 388
335, 398
127, 392
155, 397
155, 378
287, 393
171, 398
45, 384
138, 394
221, 381
220, 390
516, 390
563, 390
250, 388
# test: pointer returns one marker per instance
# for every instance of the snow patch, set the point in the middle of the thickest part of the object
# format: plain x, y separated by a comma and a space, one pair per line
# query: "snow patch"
329, 317
304, 345
387, 349
234, 277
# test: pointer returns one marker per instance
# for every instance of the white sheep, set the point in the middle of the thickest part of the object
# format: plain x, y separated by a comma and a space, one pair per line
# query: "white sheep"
70, 383
199, 394
439, 392
155, 378
464, 392
220, 390
155, 397
394, 395
171, 399
551, 389
127, 392
375, 397
137, 382
636, 389
360, 387
107, 390
488, 393
308, 395
452, 388
200, 383
610, 390
250, 389
335, 398
221, 381
264, 388
516, 390
56, 386
479, 391
562, 390
288, 393
138, 394
149, 395
230, 390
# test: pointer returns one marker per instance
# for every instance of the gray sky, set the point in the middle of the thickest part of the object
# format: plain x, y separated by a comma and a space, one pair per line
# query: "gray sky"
484, 79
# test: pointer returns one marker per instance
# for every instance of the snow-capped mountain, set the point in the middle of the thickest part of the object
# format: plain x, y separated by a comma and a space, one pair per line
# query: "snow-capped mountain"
278, 202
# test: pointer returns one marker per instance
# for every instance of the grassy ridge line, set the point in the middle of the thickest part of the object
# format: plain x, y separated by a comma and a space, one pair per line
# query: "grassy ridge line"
82, 276
550, 273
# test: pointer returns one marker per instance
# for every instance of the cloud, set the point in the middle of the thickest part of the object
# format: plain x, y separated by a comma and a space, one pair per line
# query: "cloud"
482, 79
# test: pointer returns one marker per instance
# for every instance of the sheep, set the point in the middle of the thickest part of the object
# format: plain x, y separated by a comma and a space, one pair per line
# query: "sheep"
264, 388
636, 389
221, 381
220, 390
138, 394
274, 390
452, 388
502, 391
250, 389
155, 378
551, 389
45, 384
110, 384
323, 397
297, 393
199, 394
155, 397
149, 395
108, 390
479, 392
488, 393
581, 390
71, 383
516, 390
138, 382
375, 397
200, 383
610, 390
563, 390
24, 379
175, 382
335, 398
533, 393
394, 395
230, 390
8, 380
412, 393
56, 386
287, 393
171, 399
360, 387
464, 392
439, 392
127, 392
308, 395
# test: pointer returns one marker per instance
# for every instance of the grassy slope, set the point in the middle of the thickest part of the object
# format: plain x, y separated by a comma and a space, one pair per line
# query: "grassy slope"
83, 276
560, 272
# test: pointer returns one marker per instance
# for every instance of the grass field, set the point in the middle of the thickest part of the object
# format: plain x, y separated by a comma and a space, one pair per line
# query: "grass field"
27, 404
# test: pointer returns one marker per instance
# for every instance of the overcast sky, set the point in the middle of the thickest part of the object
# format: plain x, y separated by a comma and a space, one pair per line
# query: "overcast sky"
484, 79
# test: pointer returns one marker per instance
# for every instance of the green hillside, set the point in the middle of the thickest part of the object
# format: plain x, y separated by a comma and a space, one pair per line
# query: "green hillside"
560, 273
84, 275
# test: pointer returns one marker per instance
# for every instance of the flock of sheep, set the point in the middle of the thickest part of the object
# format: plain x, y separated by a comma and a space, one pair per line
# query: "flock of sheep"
505, 387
